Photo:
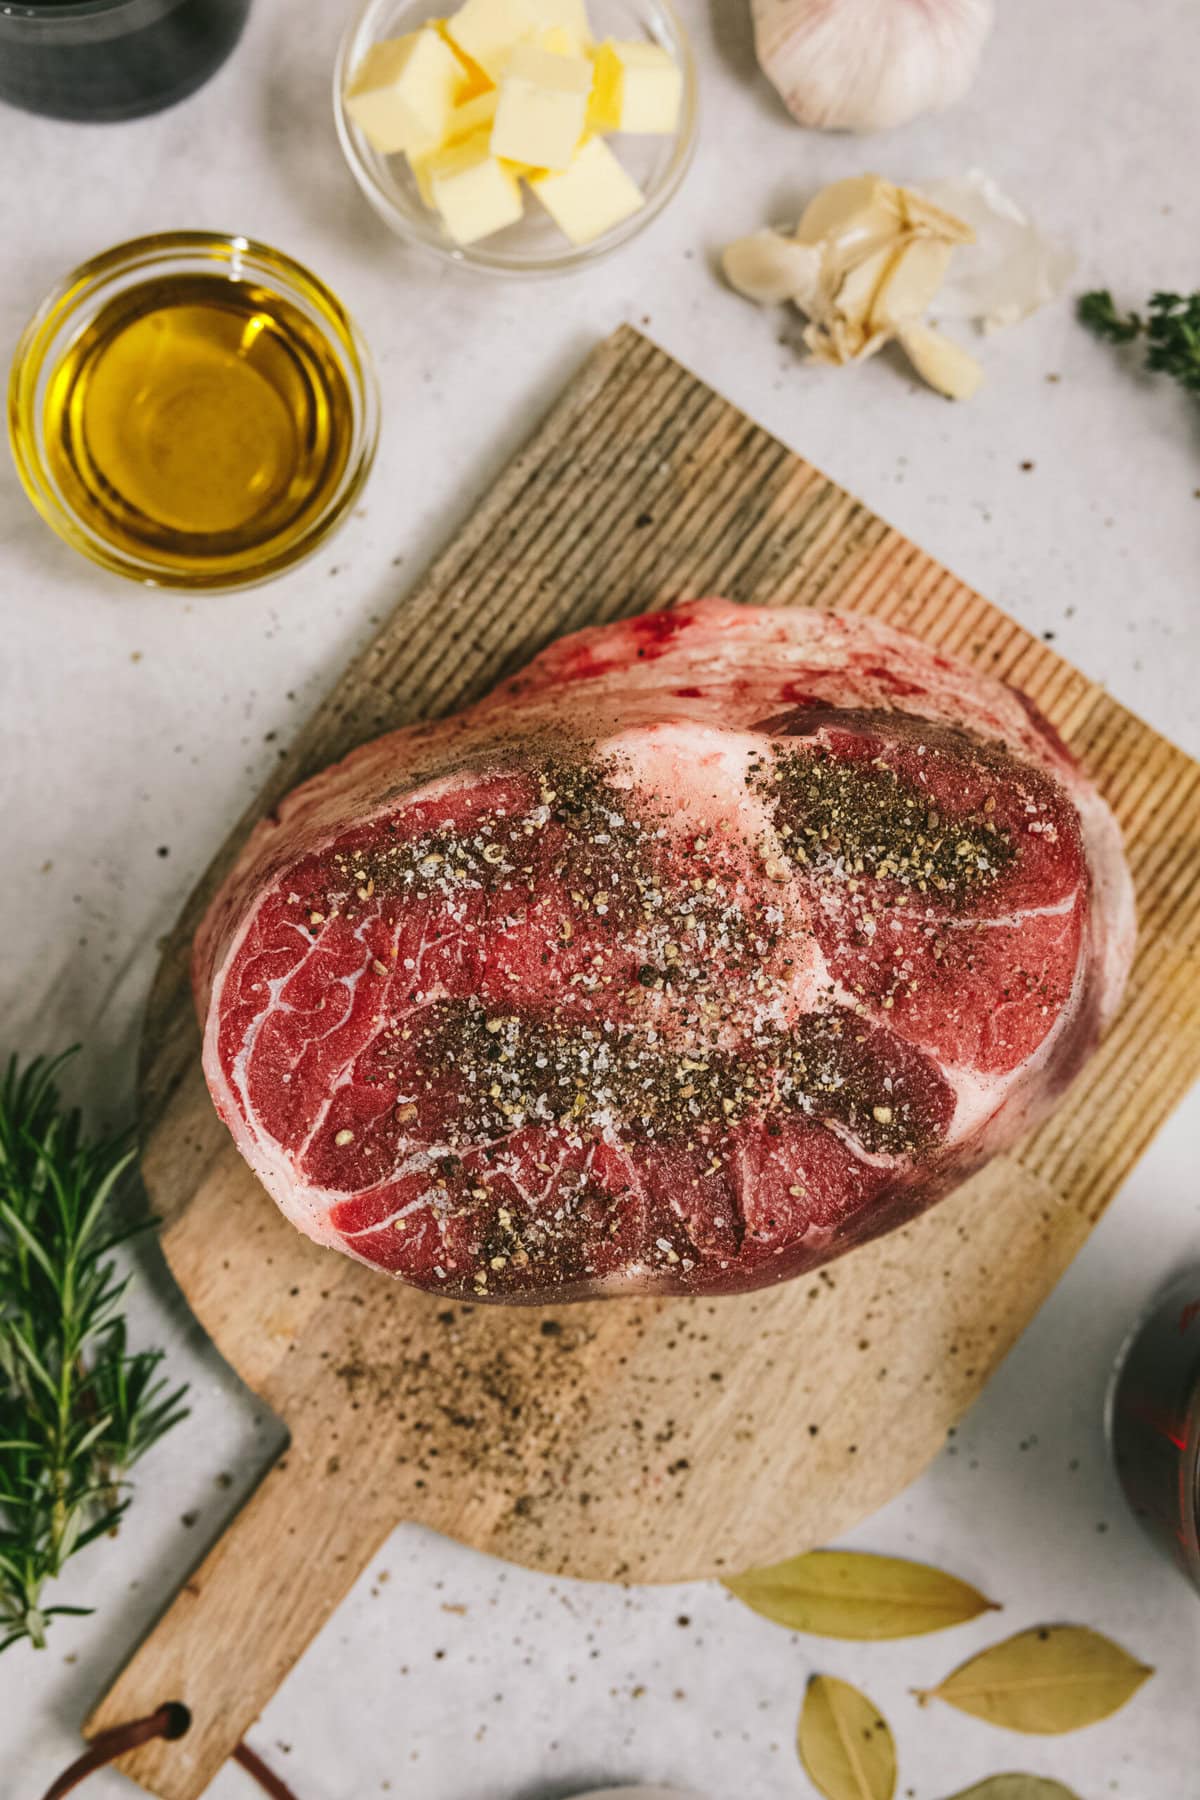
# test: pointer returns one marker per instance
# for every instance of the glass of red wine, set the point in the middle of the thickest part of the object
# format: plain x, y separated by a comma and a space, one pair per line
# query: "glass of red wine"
112, 59
1154, 1420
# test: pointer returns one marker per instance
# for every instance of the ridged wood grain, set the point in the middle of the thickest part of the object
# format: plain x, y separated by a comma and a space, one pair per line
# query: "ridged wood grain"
639, 1440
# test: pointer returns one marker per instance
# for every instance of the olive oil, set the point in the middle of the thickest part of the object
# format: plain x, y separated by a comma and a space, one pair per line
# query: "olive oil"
201, 423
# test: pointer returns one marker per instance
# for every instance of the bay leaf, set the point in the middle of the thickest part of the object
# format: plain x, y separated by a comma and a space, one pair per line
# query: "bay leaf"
1051, 1679
844, 1743
852, 1594
1017, 1787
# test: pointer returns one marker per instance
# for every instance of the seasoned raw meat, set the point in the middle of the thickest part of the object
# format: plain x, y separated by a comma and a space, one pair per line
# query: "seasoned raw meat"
716, 943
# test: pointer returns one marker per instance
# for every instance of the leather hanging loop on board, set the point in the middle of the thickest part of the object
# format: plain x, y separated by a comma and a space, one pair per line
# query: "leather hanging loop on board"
266, 1778
170, 1722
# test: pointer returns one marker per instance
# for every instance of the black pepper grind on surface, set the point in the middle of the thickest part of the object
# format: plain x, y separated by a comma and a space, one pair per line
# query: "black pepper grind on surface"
860, 818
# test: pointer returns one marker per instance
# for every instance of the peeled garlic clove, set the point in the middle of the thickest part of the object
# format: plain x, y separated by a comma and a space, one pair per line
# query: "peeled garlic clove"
1013, 267
771, 268
851, 222
909, 285
864, 65
859, 214
866, 262
856, 296
941, 362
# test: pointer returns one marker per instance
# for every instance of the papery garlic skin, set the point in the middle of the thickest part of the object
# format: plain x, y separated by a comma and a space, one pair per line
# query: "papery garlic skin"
1014, 267
868, 65
837, 342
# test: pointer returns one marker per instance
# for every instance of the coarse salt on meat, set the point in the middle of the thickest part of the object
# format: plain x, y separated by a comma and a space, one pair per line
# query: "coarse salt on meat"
717, 942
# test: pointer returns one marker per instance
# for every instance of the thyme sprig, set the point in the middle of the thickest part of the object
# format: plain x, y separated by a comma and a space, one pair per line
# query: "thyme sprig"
77, 1408
1171, 329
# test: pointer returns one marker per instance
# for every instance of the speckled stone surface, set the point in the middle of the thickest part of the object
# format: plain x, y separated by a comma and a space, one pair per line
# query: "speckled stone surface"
134, 726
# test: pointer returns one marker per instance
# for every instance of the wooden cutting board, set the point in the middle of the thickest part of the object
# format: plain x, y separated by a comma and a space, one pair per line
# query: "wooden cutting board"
636, 1440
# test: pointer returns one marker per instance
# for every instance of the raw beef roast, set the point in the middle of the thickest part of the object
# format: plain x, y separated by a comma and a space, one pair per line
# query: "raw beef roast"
716, 943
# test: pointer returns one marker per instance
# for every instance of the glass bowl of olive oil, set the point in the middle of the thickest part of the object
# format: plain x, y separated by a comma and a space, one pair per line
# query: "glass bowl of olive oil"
193, 410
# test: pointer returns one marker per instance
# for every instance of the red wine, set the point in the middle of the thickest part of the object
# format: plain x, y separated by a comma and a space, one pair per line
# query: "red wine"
1156, 1423
112, 59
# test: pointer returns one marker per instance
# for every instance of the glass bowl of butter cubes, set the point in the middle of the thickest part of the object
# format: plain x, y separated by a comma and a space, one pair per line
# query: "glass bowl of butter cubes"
521, 137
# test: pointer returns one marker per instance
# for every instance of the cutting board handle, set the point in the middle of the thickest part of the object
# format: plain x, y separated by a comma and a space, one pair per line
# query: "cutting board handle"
227, 1642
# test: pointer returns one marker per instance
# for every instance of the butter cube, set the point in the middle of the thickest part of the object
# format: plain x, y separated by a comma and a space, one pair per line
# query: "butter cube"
590, 197
470, 116
559, 42
488, 31
474, 79
543, 107
403, 92
474, 191
467, 118
639, 87
566, 16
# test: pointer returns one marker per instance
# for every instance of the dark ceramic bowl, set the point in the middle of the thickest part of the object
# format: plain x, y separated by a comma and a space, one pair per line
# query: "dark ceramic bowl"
1154, 1419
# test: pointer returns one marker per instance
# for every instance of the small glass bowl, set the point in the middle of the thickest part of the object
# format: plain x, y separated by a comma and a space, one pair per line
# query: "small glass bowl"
535, 245
79, 299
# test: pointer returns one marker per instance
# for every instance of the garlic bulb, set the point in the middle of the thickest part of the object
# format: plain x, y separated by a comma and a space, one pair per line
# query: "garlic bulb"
865, 65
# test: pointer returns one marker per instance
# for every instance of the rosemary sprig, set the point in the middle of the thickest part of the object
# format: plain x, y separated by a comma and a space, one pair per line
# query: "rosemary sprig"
77, 1408
1171, 330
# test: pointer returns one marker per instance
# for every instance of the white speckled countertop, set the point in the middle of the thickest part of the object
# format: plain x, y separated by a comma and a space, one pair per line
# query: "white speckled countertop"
133, 727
